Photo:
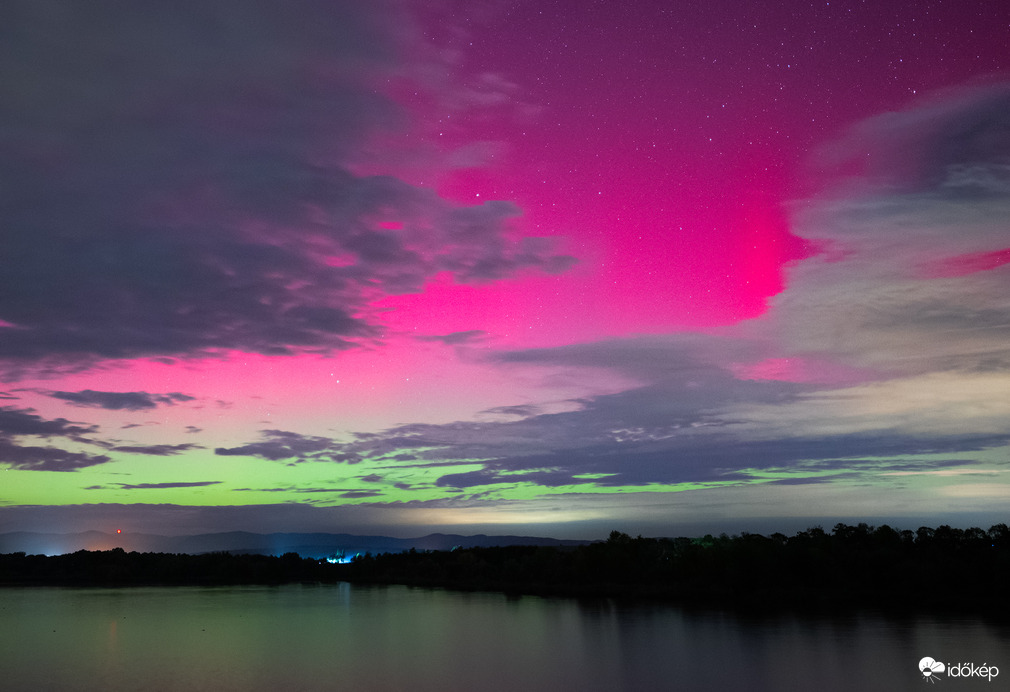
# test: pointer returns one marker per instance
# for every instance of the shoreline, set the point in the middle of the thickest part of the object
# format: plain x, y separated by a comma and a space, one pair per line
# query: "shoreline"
940, 570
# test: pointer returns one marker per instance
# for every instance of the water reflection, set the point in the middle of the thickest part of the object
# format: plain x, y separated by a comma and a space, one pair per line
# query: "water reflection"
342, 637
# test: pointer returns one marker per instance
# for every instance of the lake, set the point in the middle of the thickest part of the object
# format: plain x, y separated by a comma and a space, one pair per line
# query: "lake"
346, 637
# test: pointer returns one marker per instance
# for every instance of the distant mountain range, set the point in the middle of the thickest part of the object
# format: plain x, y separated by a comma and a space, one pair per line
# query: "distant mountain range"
315, 545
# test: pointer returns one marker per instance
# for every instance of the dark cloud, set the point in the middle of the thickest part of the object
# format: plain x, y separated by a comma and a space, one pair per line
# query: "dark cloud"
721, 457
155, 450
547, 479
426, 465
955, 132
29, 458
192, 429
195, 198
372, 478
456, 338
119, 401
281, 444
686, 402
15, 421
24, 422
520, 410
158, 486
354, 494
656, 358
344, 492
808, 480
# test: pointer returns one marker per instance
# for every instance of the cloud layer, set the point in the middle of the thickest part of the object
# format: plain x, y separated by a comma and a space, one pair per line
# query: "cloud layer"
167, 202
908, 298
911, 279
188, 191
16, 424
925, 348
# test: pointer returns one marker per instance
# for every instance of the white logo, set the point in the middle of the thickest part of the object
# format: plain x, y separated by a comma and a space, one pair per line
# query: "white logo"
930, 668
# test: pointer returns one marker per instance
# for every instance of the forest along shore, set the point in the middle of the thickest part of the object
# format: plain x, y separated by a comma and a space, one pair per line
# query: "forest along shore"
963, 570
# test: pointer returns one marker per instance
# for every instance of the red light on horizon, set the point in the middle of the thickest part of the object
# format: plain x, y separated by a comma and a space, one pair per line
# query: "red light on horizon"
119, 531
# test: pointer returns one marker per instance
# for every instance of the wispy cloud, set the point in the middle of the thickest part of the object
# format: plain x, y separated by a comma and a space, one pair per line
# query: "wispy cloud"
278, 445
159, 486
155, 450
457, 338
119, 401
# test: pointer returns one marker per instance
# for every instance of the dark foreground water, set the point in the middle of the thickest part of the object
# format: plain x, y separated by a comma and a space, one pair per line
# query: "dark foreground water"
343, 637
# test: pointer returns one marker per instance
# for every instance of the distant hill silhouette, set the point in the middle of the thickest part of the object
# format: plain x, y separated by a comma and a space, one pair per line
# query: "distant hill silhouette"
315, 545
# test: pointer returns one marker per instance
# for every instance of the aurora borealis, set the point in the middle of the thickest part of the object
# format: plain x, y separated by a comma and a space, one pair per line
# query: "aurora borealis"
534, 267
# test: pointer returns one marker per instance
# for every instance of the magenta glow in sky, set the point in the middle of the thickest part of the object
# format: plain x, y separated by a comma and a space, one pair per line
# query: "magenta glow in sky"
549, 267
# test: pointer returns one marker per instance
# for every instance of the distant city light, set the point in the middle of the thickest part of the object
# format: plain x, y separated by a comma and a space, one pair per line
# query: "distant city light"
341, 559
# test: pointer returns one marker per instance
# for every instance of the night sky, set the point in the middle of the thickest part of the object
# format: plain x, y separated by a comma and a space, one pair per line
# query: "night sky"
538, 267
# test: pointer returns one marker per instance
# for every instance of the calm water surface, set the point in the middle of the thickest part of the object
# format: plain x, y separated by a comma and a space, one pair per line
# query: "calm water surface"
343, 637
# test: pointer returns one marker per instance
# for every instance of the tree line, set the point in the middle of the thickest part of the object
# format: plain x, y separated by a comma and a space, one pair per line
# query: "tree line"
117, 567
930, 569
